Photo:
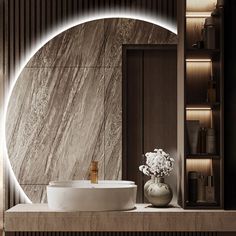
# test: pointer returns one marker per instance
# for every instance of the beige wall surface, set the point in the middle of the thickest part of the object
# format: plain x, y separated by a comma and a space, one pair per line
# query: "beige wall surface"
65, 109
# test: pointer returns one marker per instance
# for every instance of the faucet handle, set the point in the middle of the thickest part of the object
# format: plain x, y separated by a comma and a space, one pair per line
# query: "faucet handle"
94, 166
94, 172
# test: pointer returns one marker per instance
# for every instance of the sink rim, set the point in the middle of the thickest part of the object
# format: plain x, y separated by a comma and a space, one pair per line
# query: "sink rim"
89, 186
84, 196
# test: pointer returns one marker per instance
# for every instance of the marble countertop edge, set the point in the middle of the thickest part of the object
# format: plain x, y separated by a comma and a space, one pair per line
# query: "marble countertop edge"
38, 217
139, 208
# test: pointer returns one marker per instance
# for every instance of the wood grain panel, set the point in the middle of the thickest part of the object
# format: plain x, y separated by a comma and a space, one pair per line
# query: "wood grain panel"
181, 100
133, 115
143, 220
160, 104
150, 111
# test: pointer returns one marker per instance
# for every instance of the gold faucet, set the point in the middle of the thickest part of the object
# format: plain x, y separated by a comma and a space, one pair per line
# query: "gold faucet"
94, 172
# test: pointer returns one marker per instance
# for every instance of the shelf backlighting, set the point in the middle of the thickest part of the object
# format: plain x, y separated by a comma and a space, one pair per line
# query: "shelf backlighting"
199, 108
203, 14
199, 60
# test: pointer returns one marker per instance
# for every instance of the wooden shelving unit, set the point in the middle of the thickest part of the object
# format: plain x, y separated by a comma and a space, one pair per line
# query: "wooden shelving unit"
196, 68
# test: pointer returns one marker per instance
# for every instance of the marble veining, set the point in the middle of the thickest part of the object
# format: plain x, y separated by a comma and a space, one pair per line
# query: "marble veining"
60, 127
113, 123
129, 31
66, 107
38, 217
80, 46
37, 193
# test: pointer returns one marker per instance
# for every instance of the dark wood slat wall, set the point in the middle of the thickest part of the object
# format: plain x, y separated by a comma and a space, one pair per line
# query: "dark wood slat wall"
24, 22
27, 21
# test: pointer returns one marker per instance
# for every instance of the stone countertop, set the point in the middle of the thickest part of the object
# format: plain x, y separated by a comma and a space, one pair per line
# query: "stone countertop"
38, 217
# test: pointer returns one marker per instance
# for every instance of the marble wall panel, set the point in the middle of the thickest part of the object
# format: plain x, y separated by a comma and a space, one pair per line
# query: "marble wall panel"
113, 123
37, 193
58, 124
82, 45
128, 31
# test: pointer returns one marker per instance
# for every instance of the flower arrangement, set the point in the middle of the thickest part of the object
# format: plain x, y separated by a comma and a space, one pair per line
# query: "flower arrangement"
158, 164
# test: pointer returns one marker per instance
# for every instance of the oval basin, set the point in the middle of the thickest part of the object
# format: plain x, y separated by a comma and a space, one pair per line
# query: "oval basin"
81, 195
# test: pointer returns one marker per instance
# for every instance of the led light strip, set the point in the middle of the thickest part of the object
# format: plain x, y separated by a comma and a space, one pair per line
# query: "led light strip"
198, 108
198, 14
121, 13
198, 60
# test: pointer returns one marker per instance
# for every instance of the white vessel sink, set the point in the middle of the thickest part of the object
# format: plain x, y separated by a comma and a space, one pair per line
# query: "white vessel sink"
81, 195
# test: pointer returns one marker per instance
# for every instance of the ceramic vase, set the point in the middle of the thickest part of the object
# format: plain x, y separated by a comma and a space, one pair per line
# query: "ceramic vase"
158, 193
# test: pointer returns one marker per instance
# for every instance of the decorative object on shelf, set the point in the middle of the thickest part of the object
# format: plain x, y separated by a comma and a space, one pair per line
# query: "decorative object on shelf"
211, 89
193, 132
209, 33
198, 44
211, 141
216, 12
158, 165
202, 147
192, 186
201, 194
220, 3
210, 190
202, 141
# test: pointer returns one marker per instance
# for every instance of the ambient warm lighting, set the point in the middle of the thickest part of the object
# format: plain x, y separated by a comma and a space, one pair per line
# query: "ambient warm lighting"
204, 116
198, 60
199, 108
203, 166
198, 14
200, 5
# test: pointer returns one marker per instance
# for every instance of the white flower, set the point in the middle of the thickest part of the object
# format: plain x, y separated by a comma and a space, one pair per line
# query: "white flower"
158, 163
144, 169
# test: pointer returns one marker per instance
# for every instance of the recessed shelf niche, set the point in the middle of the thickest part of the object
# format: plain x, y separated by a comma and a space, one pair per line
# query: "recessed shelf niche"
203, 106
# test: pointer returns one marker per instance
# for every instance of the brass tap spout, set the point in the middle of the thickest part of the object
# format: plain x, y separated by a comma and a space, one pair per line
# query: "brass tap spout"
94, 172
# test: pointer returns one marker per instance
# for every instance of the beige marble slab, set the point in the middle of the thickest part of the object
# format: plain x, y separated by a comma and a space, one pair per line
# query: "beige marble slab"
55, 124
82, 45
37, 217
36, 193
129, 31
113, 123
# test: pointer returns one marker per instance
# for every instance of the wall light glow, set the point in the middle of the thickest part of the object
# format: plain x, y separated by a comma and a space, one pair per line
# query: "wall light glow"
204, 116
57, 30
198, 108
198, 14
198, 60
201, 165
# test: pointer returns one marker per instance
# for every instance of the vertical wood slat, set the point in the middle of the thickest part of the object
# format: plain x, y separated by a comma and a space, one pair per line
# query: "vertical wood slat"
22, 28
